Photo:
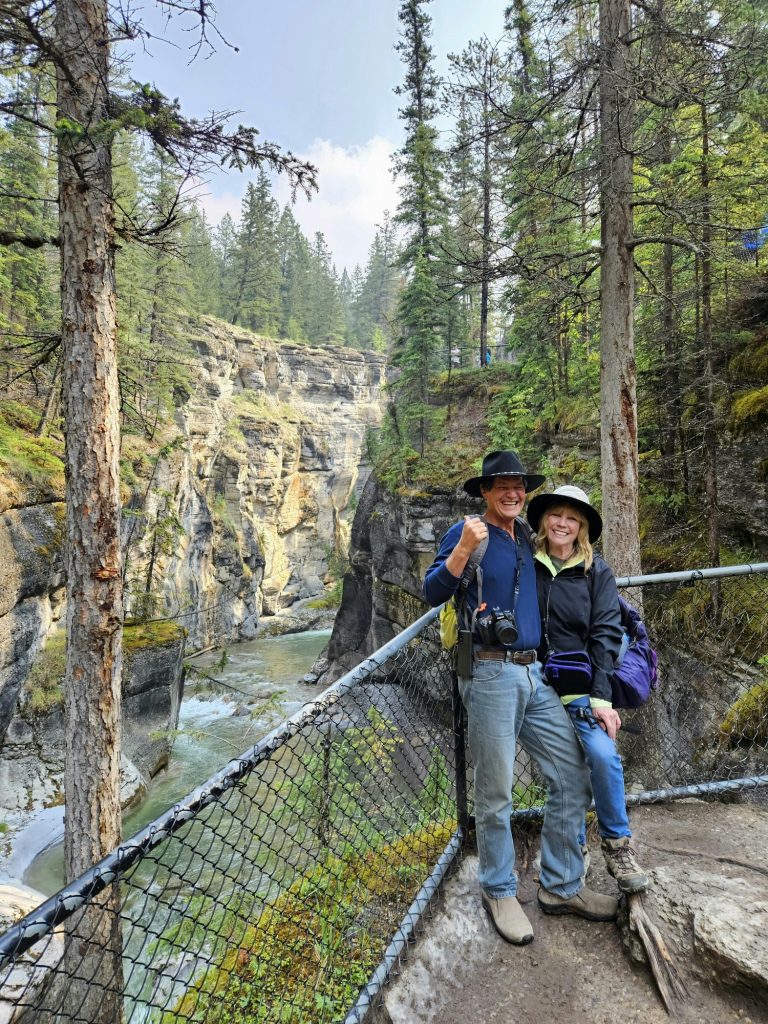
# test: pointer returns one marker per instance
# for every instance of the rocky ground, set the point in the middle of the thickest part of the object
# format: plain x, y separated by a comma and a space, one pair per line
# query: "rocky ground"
709, 896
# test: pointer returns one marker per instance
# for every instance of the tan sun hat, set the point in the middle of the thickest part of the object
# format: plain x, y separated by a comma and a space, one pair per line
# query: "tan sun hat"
568, 494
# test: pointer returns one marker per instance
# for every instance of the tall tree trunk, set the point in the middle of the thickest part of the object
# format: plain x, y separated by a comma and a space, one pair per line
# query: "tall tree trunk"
707, 341
618, 410
94, 585
486, 249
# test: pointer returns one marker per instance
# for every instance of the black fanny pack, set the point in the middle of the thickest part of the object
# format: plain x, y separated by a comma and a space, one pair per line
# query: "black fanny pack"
569, 672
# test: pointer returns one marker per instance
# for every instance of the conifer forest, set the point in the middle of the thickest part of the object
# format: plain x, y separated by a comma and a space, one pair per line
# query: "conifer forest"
579, 243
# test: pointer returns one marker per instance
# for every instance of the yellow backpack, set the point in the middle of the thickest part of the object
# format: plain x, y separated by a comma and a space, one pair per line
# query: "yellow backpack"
449, 624
449, 613
453, 609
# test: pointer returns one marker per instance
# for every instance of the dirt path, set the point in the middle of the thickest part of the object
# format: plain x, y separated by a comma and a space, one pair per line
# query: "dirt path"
460, 971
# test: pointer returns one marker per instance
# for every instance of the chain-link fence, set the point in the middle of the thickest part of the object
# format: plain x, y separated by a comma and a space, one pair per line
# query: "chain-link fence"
284, 889
275, 891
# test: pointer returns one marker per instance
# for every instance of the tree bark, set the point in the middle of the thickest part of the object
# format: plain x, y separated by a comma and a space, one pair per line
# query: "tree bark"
618, 409
708, 388
94, 582
486, 247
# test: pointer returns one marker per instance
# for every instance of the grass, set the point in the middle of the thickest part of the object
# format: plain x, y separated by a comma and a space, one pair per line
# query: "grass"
27, 462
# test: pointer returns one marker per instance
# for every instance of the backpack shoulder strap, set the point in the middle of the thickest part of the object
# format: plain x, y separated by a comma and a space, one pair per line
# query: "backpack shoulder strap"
526, 532
473, 565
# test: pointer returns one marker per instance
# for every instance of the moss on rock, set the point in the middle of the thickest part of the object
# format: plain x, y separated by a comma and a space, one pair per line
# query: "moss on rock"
746, 721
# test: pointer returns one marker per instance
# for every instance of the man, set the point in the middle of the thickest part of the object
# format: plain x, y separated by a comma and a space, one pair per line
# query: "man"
507, 699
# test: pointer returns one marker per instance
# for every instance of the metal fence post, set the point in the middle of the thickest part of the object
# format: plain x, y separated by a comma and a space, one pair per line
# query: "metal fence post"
460, 755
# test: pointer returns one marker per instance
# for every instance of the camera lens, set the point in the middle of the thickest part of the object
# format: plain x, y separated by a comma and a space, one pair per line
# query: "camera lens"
506, 630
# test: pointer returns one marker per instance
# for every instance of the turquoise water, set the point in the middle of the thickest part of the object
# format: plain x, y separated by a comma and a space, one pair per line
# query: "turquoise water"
260, 676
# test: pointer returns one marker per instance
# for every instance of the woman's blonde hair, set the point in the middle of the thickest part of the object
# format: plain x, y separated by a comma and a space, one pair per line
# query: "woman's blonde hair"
583, 547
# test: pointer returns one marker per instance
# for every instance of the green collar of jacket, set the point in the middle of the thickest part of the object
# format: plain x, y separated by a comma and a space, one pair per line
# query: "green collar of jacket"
543, 557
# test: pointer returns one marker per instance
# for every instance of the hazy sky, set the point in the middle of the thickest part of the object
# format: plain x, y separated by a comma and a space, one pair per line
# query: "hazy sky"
315, 76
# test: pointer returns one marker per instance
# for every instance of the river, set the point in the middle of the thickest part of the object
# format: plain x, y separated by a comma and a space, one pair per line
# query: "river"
259, 689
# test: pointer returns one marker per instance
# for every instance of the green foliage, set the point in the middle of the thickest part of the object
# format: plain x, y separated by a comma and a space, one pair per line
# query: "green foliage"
44, 686
310, 951
746, 721
328, 791
532, 795
25, 459
436, 800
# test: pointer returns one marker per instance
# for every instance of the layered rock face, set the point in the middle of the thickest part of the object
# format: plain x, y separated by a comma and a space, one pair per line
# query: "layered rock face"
273, 455
240, 514
393, 543
31, 594
32, 758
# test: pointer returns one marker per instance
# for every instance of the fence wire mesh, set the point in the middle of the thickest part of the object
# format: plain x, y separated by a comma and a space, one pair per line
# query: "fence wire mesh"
273, 892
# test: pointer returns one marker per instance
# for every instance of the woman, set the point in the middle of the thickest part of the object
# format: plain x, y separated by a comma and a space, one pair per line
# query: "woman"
581, 642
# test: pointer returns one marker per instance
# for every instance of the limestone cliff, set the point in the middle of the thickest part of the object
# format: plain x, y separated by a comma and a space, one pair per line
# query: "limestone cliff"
393, 542
263, 477
233, 511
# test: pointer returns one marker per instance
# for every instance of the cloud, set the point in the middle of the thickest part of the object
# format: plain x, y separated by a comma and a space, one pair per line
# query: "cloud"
356, 187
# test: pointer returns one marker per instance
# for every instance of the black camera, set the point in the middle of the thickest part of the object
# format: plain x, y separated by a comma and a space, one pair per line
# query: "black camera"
498, 628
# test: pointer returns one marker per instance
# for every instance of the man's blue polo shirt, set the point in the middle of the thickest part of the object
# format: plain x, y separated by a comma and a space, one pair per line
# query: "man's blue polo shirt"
499, 566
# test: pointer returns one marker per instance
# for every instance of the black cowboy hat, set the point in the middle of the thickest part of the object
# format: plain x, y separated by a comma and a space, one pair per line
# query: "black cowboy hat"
502, 464
568, 494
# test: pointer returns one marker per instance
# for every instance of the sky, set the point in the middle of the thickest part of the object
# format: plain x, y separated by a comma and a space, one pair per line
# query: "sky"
317, 77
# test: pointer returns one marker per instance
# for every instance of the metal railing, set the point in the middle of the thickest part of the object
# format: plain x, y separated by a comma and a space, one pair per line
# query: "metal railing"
286, 887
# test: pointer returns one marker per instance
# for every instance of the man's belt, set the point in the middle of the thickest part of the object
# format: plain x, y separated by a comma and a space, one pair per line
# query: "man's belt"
502, 654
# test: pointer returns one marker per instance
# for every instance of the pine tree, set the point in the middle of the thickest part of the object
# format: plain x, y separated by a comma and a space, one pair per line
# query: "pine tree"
295, 262
28, 276
325, 315
421, 212
255, 295
224, 238
415, 353
418, 163
201, 290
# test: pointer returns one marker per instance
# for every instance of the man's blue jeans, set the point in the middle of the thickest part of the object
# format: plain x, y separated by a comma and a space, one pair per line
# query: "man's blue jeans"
606, 773
506, 703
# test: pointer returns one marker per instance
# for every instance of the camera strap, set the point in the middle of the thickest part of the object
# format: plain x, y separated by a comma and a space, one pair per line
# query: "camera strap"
518, 568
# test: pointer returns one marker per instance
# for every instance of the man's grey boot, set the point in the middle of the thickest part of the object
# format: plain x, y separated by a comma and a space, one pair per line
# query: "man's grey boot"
508, 918
621, 863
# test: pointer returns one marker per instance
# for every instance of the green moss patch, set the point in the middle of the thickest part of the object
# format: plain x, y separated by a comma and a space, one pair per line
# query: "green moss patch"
27, 462
750, 410
44, 686
746, 722
137, 635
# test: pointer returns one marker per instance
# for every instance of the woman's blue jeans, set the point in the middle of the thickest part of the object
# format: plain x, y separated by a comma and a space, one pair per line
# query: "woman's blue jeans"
506, 703
606, 773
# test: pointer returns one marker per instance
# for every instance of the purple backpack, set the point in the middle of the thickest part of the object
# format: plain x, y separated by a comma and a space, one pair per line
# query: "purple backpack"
637, 672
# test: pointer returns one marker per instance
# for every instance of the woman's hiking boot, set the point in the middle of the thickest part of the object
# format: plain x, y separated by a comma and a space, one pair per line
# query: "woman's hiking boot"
621, 863
586, 903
